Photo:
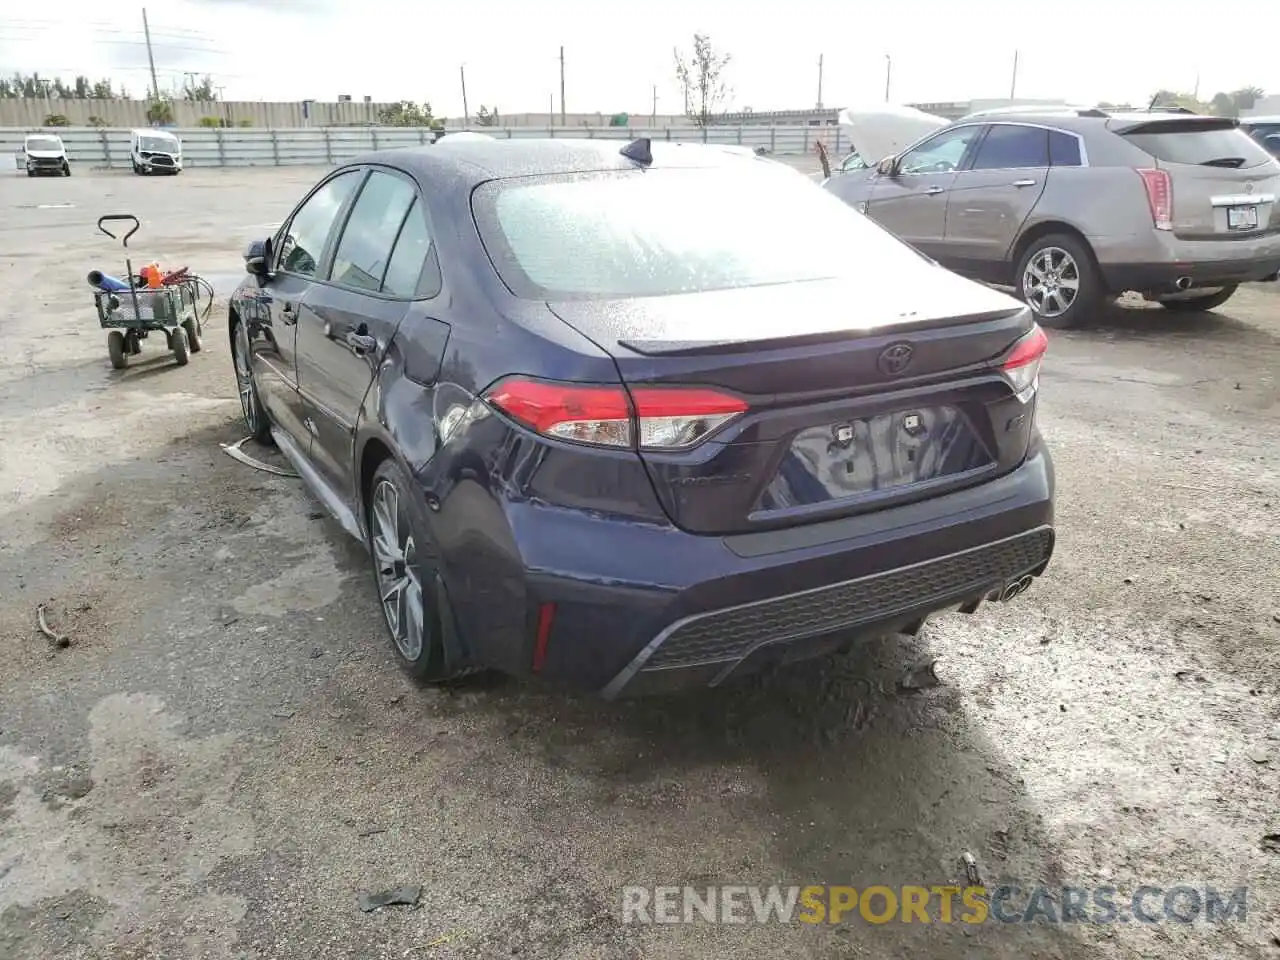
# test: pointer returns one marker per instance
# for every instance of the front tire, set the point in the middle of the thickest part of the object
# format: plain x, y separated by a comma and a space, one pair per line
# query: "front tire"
117, 350
1060, 282
1210, 301
178, 344
406, 573
66, 169
255, 414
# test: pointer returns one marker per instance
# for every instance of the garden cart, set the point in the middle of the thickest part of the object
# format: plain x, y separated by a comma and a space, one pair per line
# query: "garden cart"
141, 305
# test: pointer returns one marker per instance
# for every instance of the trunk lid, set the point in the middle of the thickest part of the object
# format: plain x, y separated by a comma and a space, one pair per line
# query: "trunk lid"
859, 396
1224, 184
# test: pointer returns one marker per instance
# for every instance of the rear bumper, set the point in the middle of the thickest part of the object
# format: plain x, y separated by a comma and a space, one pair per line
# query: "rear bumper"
654, 609
1203, 273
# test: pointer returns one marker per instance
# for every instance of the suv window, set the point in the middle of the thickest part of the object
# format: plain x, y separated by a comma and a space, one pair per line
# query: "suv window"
371, 232
305, 237
406, 276
1010, 147
944, 152
1227, 147
1064, 149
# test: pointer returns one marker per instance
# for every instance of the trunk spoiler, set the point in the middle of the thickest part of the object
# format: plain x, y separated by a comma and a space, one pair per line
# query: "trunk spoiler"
1183, 123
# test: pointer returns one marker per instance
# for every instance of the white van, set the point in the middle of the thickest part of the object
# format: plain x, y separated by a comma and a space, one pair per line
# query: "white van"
44, 153
155, 151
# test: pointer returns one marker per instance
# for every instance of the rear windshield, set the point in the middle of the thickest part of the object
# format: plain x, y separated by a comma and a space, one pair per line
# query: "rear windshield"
659, 232
44, 143
1212, 147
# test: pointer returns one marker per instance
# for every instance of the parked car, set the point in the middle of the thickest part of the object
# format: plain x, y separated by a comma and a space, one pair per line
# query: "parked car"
155, 151
592, 423
1266, 130
1075, 206
45, 153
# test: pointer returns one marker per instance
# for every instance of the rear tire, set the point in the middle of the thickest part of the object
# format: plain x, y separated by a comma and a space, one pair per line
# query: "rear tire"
192, 328
406, 573
1209, 301
1059, 280
178, 344
117, 350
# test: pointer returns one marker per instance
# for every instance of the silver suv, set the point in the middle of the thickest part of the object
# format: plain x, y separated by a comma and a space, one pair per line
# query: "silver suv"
1076, 206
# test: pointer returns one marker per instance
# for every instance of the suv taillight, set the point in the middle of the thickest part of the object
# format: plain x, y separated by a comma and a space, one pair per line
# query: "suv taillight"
651, 418
1159, 197
1022, 366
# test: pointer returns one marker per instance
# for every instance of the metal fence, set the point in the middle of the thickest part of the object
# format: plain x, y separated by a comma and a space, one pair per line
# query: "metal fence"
230, 147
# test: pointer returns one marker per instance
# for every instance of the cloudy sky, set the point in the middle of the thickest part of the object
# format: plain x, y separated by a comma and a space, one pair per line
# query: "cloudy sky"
616, 53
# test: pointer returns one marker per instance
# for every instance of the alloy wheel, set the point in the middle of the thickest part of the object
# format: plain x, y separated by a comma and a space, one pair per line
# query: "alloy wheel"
1051, 282
399, 583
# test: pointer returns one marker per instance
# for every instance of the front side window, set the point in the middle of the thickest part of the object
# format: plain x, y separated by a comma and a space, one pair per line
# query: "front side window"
371, 232
305, 237
662, 232
940, 154
1013, 147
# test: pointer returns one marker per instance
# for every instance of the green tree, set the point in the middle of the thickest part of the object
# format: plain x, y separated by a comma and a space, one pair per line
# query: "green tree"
201, 92
159, 110
701, 78
1172, 98
487, 116
36, 87
56, 120
406, 113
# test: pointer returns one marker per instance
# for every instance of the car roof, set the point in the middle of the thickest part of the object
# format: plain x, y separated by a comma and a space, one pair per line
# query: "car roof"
476, 161
153, 132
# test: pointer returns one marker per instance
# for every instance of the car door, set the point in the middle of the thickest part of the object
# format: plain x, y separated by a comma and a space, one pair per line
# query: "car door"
912, 201
346, 322
298, 250
992, 198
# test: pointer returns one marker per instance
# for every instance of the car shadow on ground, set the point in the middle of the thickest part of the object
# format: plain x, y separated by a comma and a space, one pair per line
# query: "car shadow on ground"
822, 773
1134, 319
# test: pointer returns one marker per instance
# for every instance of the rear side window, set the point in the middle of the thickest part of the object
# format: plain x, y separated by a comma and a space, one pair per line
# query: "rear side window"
407, 272
1010, 147
371, 232
1064, 149
1227, 147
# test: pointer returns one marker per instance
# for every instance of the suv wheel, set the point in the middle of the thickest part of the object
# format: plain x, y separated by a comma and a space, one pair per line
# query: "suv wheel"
1058, 280
1208, 301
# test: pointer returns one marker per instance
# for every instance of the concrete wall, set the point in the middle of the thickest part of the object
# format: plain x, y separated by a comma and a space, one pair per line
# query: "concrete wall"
133, 113
103, 147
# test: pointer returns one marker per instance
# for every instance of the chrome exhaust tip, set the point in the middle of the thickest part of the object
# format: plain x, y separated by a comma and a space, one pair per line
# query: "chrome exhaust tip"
1183, 283
1012, 589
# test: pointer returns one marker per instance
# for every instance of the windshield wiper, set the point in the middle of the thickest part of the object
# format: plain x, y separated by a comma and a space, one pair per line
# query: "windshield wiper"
1223, 162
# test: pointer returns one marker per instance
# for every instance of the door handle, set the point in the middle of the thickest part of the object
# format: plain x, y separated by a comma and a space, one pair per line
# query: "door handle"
287, 315
933, 191
361, 343
1024, 183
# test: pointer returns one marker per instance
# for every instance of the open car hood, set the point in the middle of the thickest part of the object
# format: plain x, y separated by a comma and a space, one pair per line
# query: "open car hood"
880, 130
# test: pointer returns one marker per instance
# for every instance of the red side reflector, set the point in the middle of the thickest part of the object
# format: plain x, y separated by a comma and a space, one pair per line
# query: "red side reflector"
546, 613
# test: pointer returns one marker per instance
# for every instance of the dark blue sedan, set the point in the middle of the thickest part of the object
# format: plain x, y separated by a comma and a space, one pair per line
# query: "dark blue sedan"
639, 416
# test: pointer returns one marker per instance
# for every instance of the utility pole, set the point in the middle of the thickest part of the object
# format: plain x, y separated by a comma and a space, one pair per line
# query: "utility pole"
1013, 84
462, 72
888, 73
146, 29
1196, 93
819, 81
653, 118
562, 119
551, 109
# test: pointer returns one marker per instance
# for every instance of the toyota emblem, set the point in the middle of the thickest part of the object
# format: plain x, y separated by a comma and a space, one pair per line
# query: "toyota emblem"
1248, 187
895, 358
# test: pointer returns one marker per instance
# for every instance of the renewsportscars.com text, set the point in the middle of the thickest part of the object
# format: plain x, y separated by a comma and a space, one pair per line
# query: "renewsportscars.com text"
817, 904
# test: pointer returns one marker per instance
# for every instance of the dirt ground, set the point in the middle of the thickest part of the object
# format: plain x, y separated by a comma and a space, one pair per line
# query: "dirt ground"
226, 757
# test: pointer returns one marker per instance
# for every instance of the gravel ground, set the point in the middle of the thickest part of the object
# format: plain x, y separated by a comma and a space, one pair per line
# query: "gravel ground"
225, 757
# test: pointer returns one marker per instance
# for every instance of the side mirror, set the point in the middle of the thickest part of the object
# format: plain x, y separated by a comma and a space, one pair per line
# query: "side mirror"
888, 167
257, 258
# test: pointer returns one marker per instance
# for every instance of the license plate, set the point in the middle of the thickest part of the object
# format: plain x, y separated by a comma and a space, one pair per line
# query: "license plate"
1242, 218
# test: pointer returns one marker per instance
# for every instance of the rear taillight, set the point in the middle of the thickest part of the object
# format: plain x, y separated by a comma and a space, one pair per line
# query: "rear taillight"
1022, 366
1159, 197
652, 418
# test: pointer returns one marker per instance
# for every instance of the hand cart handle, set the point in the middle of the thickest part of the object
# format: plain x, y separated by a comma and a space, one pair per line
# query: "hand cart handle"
119, 216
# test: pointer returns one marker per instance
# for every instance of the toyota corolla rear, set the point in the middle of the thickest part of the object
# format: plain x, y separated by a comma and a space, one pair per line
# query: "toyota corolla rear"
767, 427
